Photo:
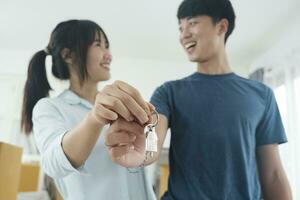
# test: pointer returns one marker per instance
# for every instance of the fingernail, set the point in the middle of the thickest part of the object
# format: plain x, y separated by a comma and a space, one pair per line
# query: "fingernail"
131, 147
153, 107
132, 137
148, 111
145, 118
131, 118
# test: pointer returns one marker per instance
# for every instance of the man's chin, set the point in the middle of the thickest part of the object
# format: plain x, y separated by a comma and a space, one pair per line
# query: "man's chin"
197, 59
193, 59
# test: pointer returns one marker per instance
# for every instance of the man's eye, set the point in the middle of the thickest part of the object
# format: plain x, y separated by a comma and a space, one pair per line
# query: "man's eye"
192, 23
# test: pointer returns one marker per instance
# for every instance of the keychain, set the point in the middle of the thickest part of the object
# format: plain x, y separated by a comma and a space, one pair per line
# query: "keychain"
151, 139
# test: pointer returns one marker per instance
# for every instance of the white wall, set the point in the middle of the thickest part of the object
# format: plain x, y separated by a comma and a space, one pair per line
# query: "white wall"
143, 74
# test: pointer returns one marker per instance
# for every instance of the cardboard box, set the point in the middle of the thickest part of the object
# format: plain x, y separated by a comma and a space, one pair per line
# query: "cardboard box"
10, 168
29, 179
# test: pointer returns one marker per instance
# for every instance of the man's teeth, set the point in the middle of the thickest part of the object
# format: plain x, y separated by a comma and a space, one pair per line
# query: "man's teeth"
189, 45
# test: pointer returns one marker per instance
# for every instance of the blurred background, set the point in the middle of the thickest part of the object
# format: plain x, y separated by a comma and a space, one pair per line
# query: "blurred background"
144, 39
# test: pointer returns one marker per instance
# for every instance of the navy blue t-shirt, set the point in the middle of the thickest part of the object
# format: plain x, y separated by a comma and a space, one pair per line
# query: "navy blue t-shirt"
217, 122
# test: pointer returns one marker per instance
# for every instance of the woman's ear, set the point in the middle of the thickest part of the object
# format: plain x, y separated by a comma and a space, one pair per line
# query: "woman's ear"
66, 56
223, 26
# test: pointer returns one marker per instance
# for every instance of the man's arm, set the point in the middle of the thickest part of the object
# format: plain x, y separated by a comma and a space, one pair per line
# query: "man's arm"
274, 182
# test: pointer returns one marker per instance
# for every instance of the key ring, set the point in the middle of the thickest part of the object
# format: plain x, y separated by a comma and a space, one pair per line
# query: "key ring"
156, 121
150, 126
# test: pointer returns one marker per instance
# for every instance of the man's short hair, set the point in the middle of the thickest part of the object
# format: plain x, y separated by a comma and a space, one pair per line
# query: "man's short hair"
216, 9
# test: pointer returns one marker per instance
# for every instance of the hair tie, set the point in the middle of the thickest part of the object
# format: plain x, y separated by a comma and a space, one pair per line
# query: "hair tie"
46, 50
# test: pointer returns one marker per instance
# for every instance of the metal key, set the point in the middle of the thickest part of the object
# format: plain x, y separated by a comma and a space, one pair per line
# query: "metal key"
151, 139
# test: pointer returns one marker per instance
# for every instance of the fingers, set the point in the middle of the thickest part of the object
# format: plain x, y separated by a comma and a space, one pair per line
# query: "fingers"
119, 151
133, 93
123, 126
151, 107
119, 138
115, 105
126, 142
152, 118
121, 99
103, 115
128, 102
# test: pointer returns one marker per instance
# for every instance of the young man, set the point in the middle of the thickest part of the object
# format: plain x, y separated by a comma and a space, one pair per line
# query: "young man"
225, 129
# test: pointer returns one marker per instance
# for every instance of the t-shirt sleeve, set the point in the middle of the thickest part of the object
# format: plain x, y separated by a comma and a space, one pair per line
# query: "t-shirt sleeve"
160, 99
270, 129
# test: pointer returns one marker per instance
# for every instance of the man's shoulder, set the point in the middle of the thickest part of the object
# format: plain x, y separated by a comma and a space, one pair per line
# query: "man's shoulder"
252, 83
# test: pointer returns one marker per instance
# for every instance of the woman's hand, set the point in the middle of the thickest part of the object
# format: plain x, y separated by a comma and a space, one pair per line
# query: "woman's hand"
120, 99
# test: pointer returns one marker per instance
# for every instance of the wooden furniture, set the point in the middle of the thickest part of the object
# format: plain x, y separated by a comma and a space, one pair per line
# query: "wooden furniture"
29, 179
10, 169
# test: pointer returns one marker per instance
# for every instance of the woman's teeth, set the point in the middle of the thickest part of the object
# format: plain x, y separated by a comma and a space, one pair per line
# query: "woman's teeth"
106, 66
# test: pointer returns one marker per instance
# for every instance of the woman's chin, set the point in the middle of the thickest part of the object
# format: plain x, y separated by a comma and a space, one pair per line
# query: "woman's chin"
105, 77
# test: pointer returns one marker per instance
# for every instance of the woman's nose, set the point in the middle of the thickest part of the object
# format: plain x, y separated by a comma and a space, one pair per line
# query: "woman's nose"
107, 56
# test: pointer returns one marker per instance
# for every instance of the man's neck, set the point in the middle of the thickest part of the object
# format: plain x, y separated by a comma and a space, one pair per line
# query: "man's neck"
216, 65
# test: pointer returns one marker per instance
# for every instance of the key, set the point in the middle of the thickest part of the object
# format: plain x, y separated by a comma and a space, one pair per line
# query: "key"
151, 140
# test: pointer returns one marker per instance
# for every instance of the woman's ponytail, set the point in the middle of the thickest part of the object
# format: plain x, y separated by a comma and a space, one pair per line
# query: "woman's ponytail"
36, 87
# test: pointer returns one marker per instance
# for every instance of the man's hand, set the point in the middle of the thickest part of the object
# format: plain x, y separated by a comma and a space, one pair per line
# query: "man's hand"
126, 143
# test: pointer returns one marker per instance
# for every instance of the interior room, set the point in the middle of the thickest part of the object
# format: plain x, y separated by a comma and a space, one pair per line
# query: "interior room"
144, 41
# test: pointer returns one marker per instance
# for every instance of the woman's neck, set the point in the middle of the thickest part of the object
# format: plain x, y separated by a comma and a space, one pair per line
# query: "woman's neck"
87, 90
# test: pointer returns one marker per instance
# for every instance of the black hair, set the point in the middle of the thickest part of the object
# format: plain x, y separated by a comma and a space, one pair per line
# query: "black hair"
75, 35
216, 9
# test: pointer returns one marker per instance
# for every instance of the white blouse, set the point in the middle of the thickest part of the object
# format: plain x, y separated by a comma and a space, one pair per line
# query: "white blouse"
99, 178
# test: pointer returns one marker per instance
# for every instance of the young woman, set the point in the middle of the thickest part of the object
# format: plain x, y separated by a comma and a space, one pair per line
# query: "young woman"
69, 129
